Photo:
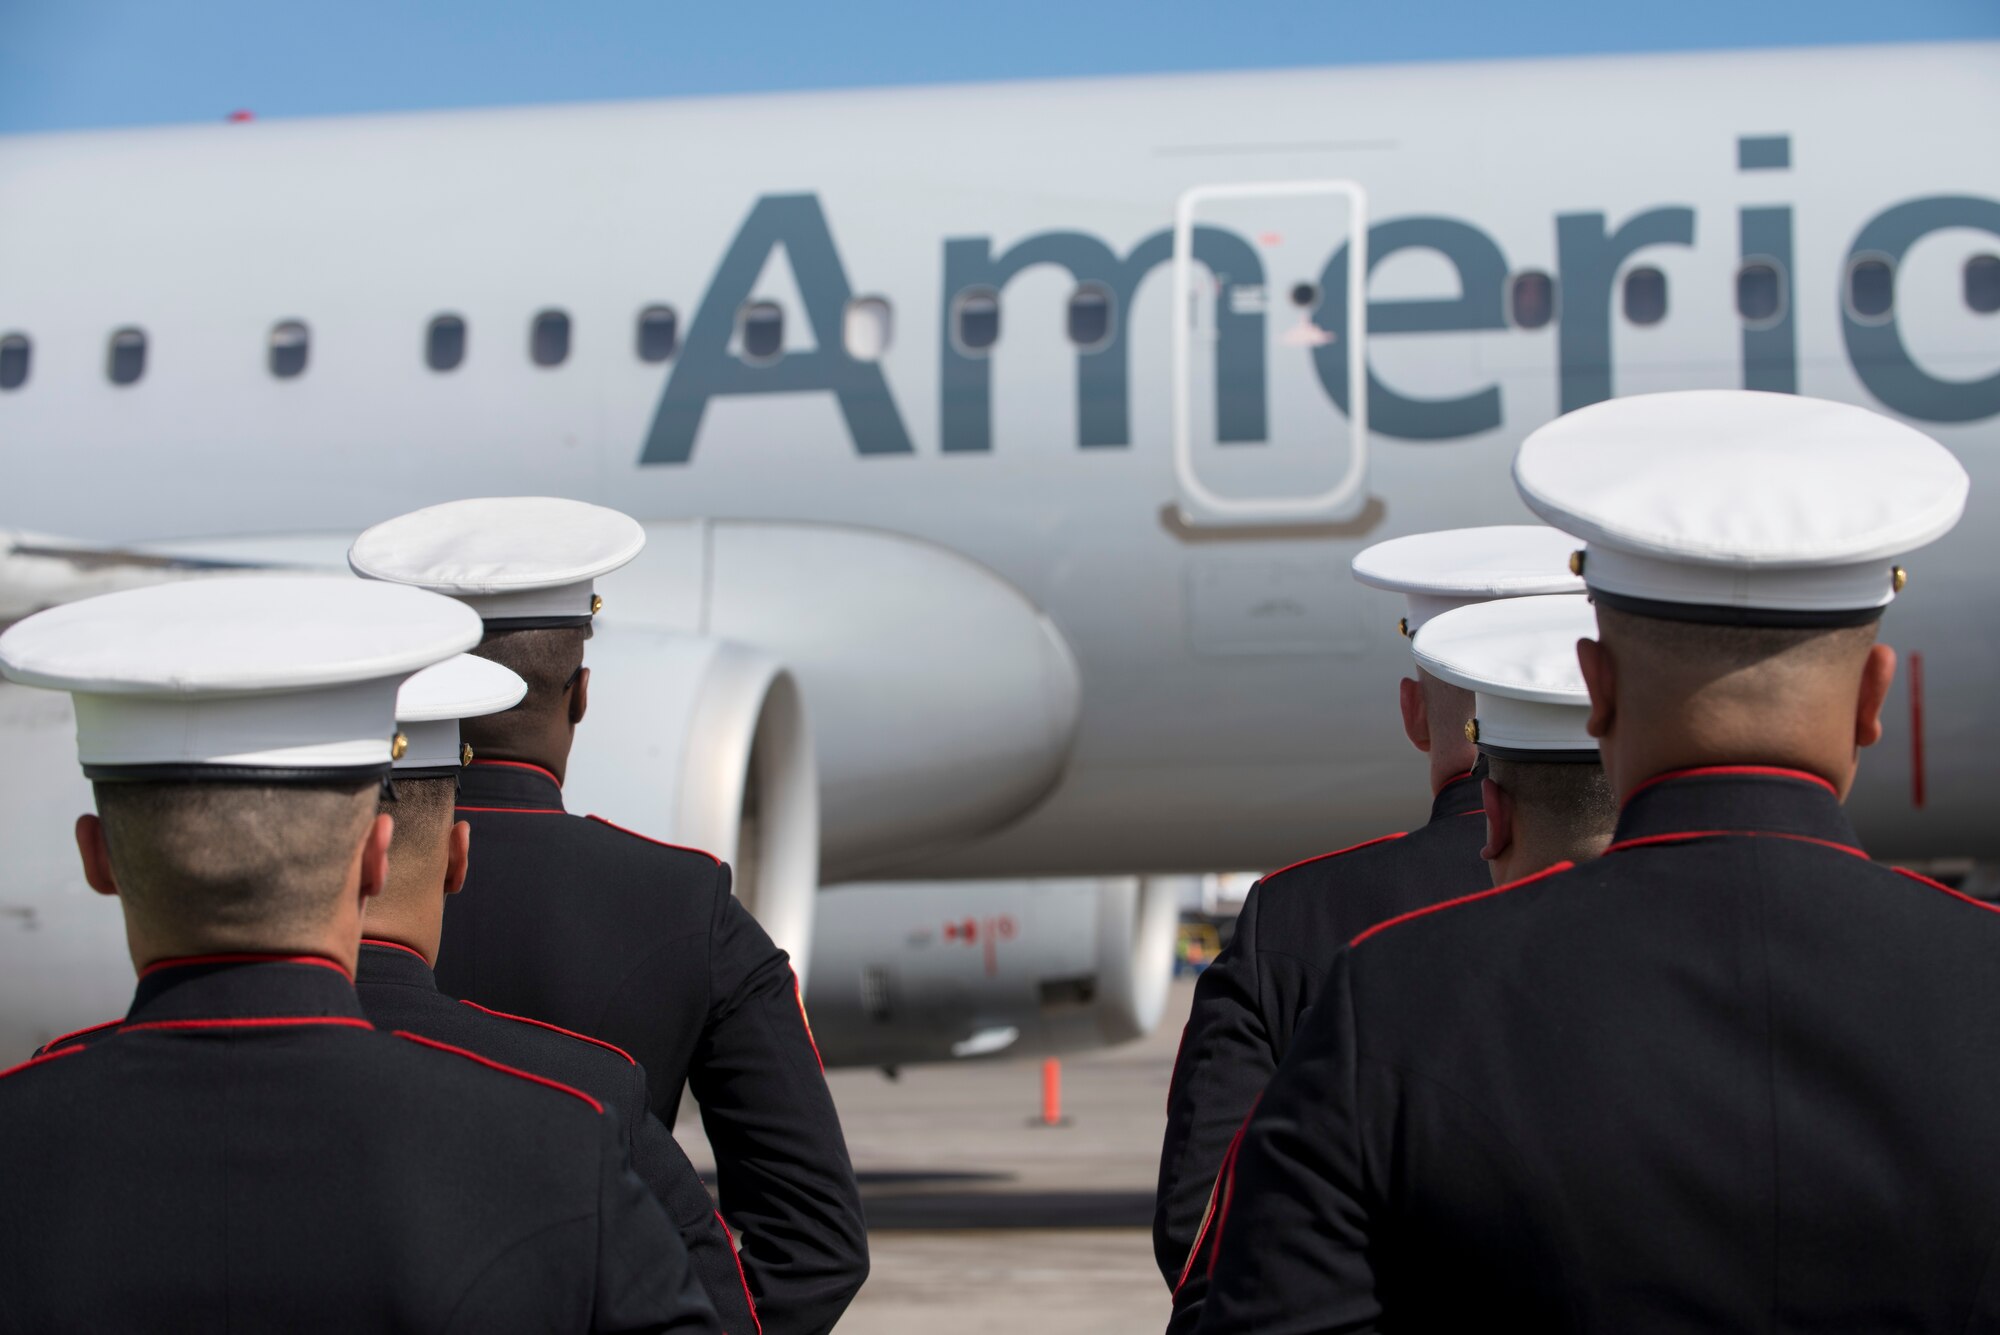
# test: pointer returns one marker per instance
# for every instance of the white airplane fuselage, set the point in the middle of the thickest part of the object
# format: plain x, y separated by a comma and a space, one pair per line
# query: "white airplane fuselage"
1236, 686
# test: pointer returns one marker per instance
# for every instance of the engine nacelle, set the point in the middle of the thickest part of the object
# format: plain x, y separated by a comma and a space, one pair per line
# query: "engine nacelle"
703, 742
948, 970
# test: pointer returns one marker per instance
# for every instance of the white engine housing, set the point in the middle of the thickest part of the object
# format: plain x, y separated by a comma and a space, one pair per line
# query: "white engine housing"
703, 742
945, 970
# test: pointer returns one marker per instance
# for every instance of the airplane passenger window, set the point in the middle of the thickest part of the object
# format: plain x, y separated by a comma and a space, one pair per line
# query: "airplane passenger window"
14, 354
1645, 296
867, 328
1982, 287
975, 319
1760, 294
1090, 316
1531, 299
127, 359
548, 339
1871, 290
658, 333
763, 328
444, 343
289, 345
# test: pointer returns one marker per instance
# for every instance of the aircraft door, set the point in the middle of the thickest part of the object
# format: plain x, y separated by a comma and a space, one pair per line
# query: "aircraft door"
1270, 403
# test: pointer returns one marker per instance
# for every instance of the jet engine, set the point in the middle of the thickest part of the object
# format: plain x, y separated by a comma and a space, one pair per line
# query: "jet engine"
946, 970
704, 742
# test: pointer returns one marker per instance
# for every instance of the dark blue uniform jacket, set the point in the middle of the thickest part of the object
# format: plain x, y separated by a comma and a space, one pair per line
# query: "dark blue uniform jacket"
1730, 1076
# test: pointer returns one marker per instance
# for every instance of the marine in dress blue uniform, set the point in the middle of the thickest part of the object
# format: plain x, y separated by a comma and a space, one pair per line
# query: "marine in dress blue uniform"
606, 932
1249, 1002
1730, 1075
245, 1150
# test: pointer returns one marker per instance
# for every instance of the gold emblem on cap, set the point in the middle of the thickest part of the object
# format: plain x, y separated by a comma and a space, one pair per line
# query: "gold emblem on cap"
1403, 627
1472, 730
398, 747
1898, 577
1576, 563
464, 753
596, 603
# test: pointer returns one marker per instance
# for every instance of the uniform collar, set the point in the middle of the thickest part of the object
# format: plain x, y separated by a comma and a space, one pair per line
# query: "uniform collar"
1461, 796
509, 785
1736, 799
211, 991
387, 962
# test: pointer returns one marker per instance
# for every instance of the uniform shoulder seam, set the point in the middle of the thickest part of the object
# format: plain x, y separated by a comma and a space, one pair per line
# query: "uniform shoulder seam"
502, 1067
1922, 879
661, 843
552, 1028
42, 1060
1338, 852
1428, 909
48, 1048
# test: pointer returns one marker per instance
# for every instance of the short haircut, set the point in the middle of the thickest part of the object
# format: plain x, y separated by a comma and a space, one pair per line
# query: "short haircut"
423, 810
546, 659
1571, 800
233, 858
1695, 648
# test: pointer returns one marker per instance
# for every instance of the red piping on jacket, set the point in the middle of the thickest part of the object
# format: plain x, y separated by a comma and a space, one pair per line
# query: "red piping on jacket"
74, 1034
683, 848
522, 811
1220, 1198
543, 770
502, 1067
1321, 857
798, 995
1738, 771
394, 945
1682, 836
741, 1278
249, 1022
1462, 899
1922, 879
247, 957
37, 1061
556, 1028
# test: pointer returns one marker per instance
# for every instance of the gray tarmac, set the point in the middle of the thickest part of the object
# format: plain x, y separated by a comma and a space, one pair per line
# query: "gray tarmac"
980, 1220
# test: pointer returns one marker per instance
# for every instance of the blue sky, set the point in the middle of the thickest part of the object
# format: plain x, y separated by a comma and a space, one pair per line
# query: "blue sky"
80, 63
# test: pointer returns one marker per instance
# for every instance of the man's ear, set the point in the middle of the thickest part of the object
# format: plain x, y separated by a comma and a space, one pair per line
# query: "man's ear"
1416, 714
1499, 820
375, 855
579, 697
458, 857
1878, 673
1600, 678
96, 854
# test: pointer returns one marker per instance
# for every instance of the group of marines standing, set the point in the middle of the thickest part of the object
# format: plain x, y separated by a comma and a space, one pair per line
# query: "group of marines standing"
1681, 1057
1631, 1035
347, 1097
